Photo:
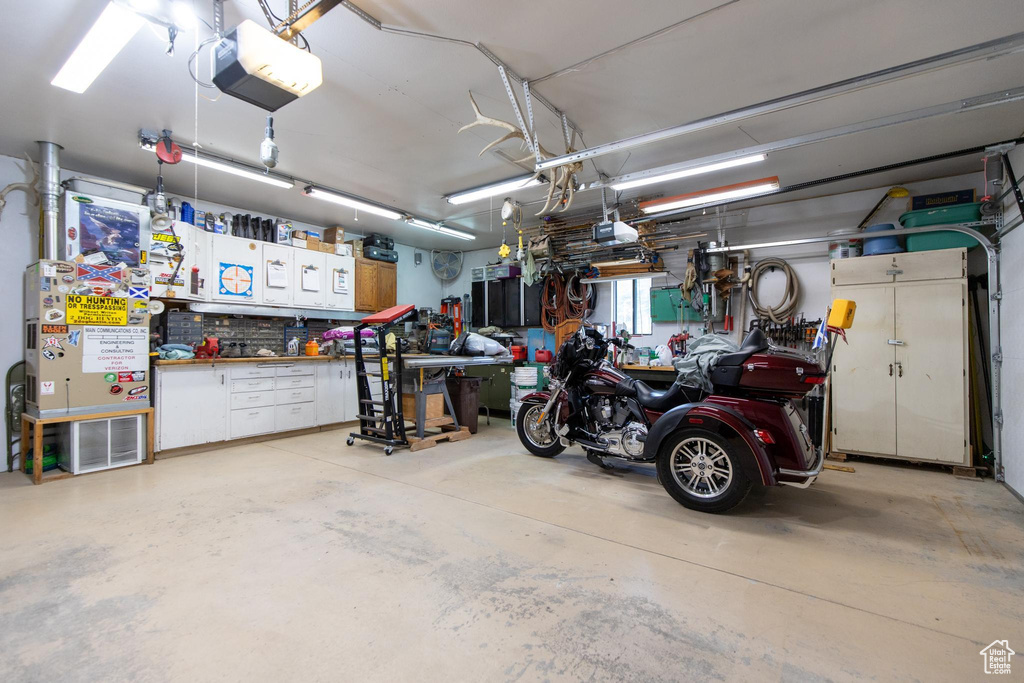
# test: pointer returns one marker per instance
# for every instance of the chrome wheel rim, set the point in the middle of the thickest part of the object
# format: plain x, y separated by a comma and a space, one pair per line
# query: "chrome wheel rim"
701, 467
540, 435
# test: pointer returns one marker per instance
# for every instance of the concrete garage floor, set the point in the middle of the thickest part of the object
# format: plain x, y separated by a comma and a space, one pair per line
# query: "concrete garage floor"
302, 559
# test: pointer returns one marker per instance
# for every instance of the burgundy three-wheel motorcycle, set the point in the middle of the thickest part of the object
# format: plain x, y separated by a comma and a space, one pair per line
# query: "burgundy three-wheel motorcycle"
710, 448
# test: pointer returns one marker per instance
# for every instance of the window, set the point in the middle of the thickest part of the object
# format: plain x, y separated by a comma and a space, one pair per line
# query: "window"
631, 305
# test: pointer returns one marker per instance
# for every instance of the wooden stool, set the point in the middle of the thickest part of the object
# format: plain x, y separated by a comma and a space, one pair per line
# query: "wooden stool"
35, 425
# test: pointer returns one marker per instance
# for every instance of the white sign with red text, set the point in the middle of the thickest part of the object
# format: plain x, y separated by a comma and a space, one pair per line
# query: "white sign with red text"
115, 349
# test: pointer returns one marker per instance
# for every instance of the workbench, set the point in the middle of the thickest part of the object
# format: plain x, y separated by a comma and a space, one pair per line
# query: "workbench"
426, 375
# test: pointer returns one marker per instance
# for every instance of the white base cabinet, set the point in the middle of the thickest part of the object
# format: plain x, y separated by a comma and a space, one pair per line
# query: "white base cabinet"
899, 388
197, 404
191, 406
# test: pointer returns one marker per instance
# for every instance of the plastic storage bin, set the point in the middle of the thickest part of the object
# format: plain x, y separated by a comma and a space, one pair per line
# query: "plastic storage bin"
941, 239
882, 245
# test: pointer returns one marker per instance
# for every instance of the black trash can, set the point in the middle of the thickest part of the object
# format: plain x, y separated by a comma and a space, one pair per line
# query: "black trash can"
465, 393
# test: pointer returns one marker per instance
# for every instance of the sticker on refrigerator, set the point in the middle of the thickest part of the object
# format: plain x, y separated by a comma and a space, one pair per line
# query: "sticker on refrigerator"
48, 354
52, 342
135, 376
115, 349
96, 310
49, 270
236, 280
97, 274
46, 389
138, 292
54, 329
54, 315
73, 336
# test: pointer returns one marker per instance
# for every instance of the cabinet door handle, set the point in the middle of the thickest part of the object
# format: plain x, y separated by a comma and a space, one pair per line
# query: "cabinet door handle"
900, 366
890, 369
222, 379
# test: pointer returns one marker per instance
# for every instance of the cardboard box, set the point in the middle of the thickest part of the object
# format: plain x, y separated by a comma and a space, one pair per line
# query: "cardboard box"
299, 243
335, 235
312, 243
357, 247
299, 234
434, 408
343, 249
326, 247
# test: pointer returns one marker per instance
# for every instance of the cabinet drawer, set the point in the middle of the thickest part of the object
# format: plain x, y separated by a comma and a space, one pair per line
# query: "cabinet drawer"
295, 416
255, 384
251, 421
300, 382
252, 399
286, 396
305, 368
250, 370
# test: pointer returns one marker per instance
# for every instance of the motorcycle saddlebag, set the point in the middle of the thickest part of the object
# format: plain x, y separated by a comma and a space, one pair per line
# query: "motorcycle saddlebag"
381, 241
378, 254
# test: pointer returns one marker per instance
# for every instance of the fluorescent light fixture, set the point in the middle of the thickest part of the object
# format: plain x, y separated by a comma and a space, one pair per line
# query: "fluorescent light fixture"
437, 227
718, 194
351, 202
184, 15
111, 32
492, 190
687, 172
236, 169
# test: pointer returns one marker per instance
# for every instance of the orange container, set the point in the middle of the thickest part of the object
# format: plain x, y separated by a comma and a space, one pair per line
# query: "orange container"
312, 348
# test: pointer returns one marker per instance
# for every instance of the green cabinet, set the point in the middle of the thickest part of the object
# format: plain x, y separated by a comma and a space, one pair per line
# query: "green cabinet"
496, 388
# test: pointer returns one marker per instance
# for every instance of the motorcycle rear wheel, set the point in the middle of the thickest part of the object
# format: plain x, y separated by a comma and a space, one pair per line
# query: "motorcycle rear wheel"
539, 439
702, 471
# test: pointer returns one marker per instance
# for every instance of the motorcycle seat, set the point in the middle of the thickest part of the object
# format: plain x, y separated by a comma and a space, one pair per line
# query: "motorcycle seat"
661, 401
755, 342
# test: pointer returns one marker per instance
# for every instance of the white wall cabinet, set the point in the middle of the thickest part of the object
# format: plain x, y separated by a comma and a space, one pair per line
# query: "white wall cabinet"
191, 406
278, 273
341, 282
236, 270
899, 388
310, 286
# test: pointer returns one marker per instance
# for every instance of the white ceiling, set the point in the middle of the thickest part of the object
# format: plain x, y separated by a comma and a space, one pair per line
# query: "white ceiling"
384, 124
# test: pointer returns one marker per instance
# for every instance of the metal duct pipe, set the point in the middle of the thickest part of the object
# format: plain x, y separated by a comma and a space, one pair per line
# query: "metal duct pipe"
49, 192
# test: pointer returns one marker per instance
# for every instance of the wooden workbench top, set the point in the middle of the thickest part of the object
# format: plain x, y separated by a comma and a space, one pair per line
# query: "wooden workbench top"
659, 368
268, 359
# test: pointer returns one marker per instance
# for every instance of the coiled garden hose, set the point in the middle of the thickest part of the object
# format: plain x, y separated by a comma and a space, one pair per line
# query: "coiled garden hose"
784, 310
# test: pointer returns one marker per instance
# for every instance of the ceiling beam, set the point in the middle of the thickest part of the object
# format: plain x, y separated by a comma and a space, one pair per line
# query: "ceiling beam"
958, 107
986, 50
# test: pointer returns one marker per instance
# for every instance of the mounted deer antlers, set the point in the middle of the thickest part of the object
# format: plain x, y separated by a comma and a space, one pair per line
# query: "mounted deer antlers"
28, 188
564, 180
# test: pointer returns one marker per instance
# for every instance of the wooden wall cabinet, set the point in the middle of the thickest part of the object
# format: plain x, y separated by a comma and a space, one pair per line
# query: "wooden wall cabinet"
900, 387
376, 285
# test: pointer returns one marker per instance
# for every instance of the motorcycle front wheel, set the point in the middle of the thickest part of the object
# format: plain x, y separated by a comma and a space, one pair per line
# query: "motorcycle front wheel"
540, 439
702, 471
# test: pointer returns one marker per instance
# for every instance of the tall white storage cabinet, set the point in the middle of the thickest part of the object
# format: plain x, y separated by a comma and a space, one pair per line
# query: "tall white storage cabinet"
899, 388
